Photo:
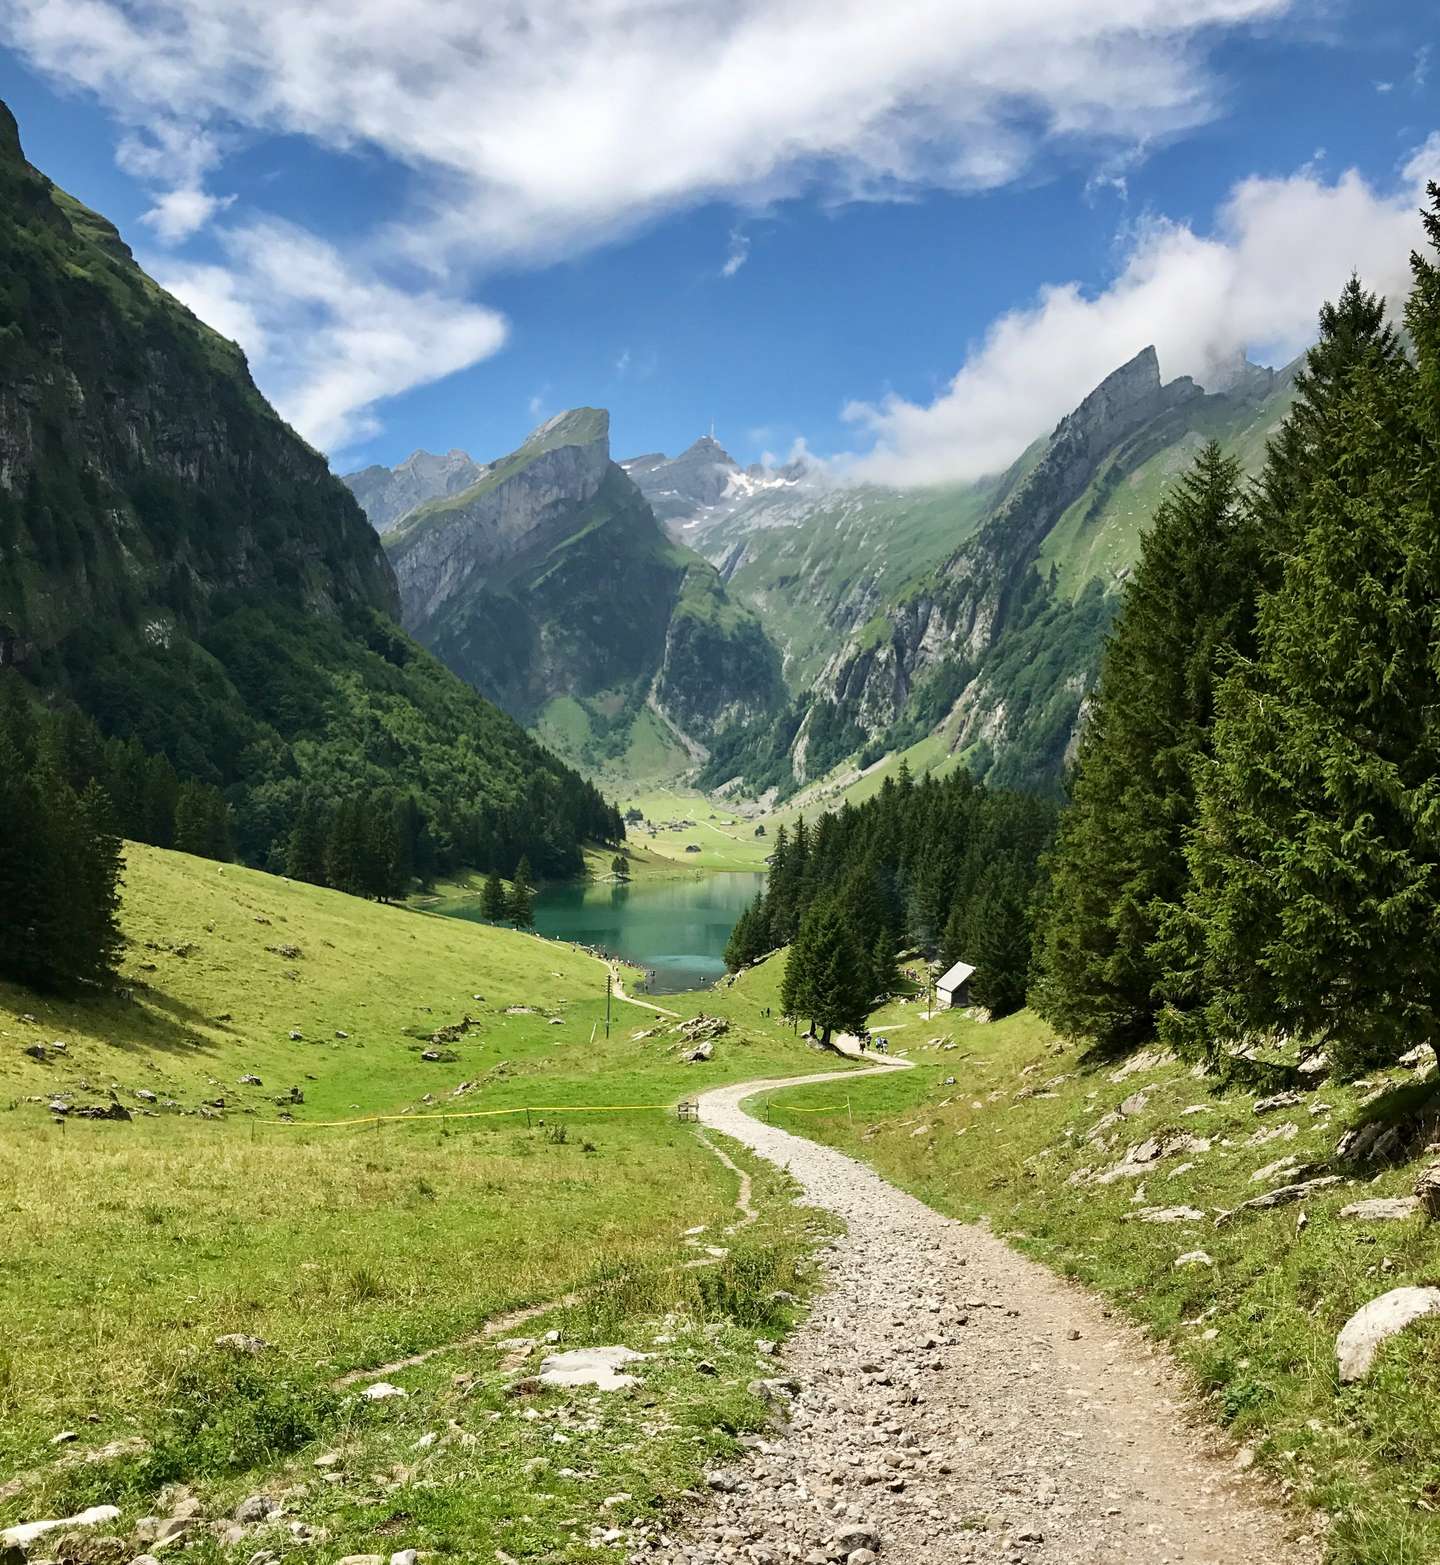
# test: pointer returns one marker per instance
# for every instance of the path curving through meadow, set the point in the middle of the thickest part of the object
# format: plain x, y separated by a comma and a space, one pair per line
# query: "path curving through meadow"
957, 1404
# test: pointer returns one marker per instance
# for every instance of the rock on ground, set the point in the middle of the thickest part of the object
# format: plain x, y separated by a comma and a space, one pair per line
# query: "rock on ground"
1374, 1323
24, 1534
590, 1367
951, 1402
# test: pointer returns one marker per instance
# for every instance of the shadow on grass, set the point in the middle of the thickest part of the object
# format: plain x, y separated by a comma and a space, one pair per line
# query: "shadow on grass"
151, 1019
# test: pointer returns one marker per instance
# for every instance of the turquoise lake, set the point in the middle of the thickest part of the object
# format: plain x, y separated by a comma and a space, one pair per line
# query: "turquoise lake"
676, 929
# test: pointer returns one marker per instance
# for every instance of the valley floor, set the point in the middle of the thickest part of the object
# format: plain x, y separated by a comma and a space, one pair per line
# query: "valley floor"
496, 1152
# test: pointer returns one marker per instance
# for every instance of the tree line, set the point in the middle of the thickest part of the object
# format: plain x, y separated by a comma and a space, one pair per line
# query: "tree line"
1251, 854
945, 867
60, 862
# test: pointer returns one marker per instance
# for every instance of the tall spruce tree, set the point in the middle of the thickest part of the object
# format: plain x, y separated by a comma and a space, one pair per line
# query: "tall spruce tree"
494, 900
827, 978
1316, 852
997, 938
522, 896
1119, 861
306, 846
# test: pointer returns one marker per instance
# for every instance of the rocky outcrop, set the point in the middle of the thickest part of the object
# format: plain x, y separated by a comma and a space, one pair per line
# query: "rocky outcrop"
676, 487
965, 607
991, 607
388, 495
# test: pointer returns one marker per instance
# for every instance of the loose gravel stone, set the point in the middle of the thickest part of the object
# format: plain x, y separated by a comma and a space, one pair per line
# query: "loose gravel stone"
1016, 1423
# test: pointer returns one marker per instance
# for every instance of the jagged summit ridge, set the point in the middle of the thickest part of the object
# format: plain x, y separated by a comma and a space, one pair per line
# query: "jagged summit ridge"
388, 495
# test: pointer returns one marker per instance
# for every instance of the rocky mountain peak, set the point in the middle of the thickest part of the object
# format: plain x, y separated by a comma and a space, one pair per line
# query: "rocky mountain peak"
679, 487
707, 449
388, 495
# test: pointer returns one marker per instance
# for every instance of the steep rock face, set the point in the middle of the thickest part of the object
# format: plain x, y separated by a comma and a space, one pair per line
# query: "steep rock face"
389, 494
521, 505
551, 580
140, 469
177, 563
992, 638
975, 596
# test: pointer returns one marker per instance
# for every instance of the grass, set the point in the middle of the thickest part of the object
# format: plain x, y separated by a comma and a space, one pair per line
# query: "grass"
131, 1247
726, 838
993, 1122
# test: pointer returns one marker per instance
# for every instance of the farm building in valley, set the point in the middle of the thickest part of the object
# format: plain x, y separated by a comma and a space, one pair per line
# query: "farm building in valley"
954, 987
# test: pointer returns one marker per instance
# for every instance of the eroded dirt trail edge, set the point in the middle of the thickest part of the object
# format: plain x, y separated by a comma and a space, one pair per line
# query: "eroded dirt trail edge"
954, 1401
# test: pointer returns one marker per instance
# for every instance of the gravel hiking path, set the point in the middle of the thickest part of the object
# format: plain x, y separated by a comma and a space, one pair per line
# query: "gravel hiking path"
950, 1400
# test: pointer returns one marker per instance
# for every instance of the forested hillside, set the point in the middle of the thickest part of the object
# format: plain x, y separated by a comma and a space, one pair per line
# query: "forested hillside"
178, 564
1250, 867
947, 868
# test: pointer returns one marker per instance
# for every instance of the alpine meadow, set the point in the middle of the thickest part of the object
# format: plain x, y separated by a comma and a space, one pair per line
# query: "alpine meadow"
719, 783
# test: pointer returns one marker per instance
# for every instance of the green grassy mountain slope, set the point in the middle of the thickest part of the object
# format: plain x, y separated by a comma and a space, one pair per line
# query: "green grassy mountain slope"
549, 586
132, 1244
177, 561
817, 566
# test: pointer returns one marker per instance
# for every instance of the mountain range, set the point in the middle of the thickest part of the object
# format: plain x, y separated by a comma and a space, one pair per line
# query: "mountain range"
549, 584
974, 612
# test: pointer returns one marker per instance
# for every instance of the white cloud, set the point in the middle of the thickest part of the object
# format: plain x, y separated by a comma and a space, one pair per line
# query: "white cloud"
537, 403
328, 340
179, 214
545, 125
535, 128
622, 363
739, 252
1278, 249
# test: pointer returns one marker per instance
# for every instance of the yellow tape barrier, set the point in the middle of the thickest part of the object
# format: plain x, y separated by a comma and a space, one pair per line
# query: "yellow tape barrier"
839, 1108
429, 1119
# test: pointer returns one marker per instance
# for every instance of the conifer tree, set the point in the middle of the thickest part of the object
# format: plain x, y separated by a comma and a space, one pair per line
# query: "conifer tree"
495, 900
23, 898
380, 875
97, 908
1353, 331
1316, 854
826, 977
305, 849
884, 970
345, 848
522, 896
1119, 862
997, 938
194, 823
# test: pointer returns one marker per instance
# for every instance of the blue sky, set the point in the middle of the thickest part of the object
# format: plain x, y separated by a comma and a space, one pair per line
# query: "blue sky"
424, 238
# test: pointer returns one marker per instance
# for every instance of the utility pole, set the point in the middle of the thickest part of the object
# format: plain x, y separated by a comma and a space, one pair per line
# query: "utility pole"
609, 982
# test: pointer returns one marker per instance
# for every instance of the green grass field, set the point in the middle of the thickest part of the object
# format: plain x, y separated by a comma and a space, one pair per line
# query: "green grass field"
992, 1123
131, 1246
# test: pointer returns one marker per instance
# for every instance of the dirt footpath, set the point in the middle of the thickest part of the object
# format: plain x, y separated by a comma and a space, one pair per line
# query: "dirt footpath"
950, 1400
